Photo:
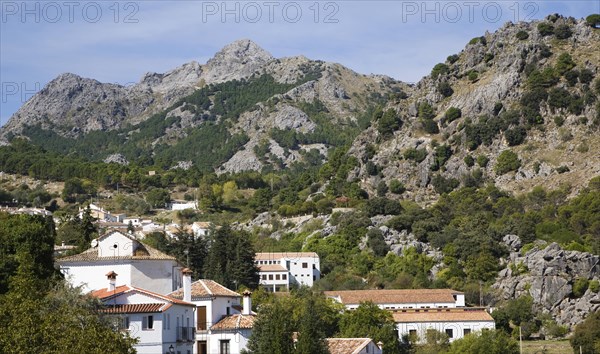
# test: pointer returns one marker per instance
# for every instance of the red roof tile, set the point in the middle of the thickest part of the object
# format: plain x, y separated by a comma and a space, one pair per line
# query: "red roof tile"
234, 322
442, 315
271, 268
346, 345
135, 308
396, 296
205, 288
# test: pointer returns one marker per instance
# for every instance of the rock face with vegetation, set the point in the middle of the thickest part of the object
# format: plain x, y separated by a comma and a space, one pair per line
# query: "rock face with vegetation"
562, 283
518, 106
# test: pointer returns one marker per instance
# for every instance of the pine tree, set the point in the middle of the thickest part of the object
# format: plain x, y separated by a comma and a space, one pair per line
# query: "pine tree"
311, 334
230, 260
272, 332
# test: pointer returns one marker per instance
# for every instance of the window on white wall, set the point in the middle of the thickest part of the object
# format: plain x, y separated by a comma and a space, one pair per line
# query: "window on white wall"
466, 331
148, 322
450, 333
224, 347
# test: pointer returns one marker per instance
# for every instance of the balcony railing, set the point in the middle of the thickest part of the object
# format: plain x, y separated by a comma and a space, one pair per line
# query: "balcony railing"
186, 334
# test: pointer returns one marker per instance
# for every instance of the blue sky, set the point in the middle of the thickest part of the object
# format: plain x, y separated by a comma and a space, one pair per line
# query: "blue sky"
119, 41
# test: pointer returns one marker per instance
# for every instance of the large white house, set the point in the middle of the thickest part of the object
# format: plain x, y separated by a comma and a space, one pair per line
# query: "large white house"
137, 264
455, 322
160, 322
417, 310
279, 270
223, 321
400, 298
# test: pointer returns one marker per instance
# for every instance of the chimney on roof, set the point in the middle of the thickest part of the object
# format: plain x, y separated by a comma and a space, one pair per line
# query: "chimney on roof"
187, 284
247, 303
112, 280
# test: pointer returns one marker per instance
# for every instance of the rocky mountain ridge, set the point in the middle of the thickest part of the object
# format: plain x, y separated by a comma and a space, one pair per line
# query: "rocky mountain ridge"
490, 89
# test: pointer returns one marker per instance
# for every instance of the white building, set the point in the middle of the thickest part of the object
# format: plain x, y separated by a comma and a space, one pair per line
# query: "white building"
101, 214
400, 298
158, 321
182, 205
137, 264
201, 228
416, 310
352, 346
223, 320
279, 270
455, 322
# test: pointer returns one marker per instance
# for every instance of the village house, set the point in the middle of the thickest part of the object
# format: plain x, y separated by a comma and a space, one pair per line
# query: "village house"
161, 324
137, 264
223, 319
101, 214
279, 270
417, 310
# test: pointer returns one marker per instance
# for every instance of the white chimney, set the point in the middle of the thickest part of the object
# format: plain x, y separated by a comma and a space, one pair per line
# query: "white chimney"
247, 303
187, 284
112, 280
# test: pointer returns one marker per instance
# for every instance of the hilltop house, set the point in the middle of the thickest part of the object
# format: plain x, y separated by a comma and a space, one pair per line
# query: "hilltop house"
417, 310
138, 265
223, 325
279, 270
101, 214
160, 322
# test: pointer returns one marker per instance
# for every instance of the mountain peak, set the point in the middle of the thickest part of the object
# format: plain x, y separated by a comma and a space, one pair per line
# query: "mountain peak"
243, 49
237, 60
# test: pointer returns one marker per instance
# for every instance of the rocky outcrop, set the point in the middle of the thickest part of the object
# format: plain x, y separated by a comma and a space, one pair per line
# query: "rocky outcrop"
547, 274
238, 60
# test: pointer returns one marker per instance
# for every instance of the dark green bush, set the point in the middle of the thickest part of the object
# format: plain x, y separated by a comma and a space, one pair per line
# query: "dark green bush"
397, 187
445, 89
453, 58
545, 29
522, 35
469, 161
515, 136
452, 114
563, 32
439, 69
507, 161
473, 75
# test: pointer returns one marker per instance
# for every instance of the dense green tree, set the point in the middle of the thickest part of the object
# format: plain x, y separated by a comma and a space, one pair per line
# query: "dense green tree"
36, 317
586, 336
230, 259
489, 342
369, 321
389, 122
32, 235
158, 197
311, 334
188, 249
272, 331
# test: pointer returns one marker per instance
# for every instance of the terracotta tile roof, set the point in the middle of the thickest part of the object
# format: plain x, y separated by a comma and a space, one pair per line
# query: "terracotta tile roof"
265, 256
233, 322
105, 294
135, 308
398, 296
442, 315
271, 268
205, 288
346, 345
